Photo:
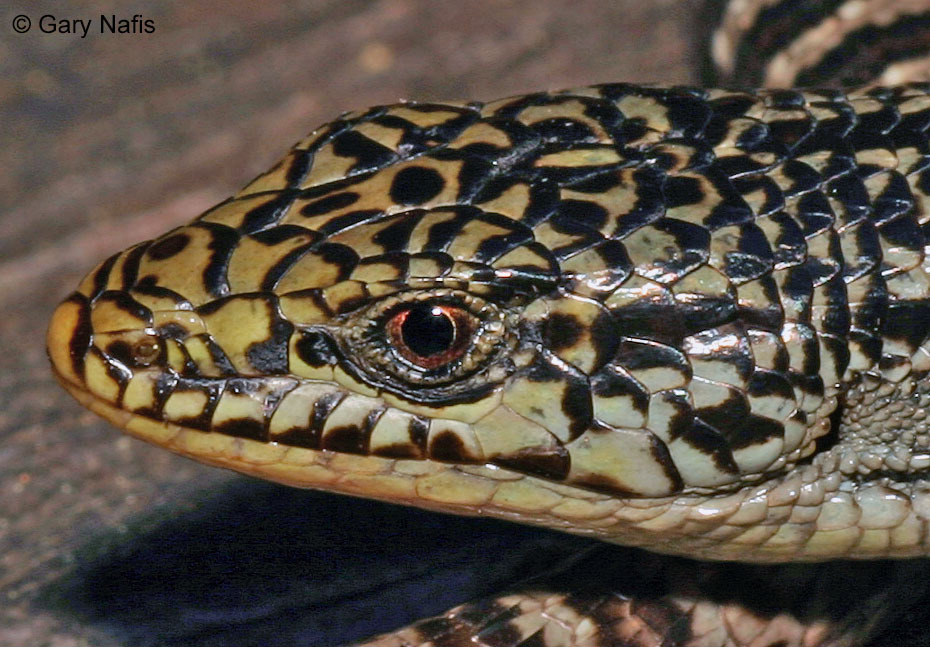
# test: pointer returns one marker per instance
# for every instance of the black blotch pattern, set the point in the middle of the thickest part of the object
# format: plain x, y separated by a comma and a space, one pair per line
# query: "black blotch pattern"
398, 450
682, 421
316, 348
121, 351
562, 331
173, 330
768, 383
836, 318
279, 234
276, 271
494, 247
798, 288
131, 266
418, 431
790, 245
605, 338
730, 414
849, 191
755, 430
696, 311
330, 203
349, 439
243, 428
79, 342
269, 357
682, 191
209, 388
576, 404
548, 462
642, 356
448, 447
472, 176
443, 233
691, 250
347, 220
116, 372
563, 130
837, 351
768, 315
415, 185
584, 236
322, 409
613, 382
803, 178
217, 355
908, 321
659, 319
168, 247
102, 276
396, 236
267, 213
223, 243
601, 183
127, 304
688, 112
710, 442
343, 256
894, 201
368, 153
591, 214
301, 161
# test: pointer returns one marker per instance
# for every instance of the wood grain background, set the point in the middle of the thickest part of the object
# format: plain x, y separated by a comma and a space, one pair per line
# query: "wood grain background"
110, 139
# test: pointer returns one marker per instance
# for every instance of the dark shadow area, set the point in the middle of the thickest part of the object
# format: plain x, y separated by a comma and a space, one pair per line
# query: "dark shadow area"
262, 564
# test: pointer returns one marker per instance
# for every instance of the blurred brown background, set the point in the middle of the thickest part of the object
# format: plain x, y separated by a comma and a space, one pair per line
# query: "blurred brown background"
110, 139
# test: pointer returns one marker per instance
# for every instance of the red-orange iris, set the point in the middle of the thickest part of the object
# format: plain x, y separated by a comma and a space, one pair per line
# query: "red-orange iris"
430, 335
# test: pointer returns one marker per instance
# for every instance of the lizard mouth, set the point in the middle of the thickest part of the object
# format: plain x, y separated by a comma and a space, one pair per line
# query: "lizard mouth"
397, 480
183, 428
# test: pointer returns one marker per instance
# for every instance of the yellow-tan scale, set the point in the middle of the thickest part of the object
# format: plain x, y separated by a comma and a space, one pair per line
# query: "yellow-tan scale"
676, 288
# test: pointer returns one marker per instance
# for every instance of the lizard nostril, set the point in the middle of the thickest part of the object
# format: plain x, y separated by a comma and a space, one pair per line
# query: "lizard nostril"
145, 352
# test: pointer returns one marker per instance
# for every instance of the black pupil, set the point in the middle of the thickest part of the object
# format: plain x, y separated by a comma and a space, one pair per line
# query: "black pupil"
427, 330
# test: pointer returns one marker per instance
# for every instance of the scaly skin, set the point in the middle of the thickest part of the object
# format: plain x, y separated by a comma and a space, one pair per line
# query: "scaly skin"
618, 311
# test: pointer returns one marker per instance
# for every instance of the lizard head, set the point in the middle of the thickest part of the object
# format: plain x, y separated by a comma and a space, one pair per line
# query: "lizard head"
548, 308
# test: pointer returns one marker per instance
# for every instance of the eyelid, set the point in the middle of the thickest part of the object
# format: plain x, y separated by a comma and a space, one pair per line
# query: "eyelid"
366, 338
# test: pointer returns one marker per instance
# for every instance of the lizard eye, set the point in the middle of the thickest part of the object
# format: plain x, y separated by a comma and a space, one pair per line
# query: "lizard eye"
427, 339
430, 335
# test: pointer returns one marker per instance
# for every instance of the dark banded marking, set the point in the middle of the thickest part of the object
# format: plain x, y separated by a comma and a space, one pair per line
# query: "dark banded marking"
130, 269
551, 462
210, 390
167, 247
815, 44
368, 154
221, 247
351, 439
101, 276
329, 203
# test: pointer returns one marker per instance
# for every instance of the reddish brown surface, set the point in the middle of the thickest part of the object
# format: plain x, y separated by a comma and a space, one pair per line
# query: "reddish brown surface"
111, 139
